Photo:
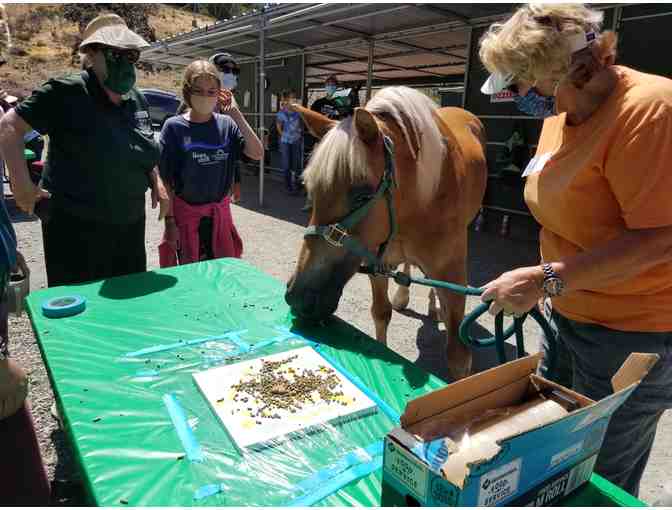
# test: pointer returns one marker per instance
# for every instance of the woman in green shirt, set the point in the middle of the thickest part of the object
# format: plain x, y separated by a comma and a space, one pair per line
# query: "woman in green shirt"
101, 159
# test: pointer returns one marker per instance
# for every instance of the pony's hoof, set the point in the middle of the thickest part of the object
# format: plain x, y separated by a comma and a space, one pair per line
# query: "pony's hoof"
458, 373
401, 299
459, 361
399, 305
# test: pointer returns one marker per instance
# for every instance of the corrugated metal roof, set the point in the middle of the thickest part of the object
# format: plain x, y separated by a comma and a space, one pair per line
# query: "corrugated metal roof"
410, 40
337, 36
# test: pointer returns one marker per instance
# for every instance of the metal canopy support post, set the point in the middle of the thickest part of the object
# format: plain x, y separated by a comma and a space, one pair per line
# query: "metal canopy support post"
262, 104
467, 68
369, 76
615, 24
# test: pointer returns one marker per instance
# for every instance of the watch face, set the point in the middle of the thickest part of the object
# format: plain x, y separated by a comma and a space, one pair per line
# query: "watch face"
553, 286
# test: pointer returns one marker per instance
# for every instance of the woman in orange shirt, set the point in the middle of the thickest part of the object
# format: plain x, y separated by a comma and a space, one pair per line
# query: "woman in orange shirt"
600, 188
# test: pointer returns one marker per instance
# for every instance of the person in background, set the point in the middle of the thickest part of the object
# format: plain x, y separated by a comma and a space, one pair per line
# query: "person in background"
229, 72
101, 160
24, 479
199, 152
600, 188
338, 102
290, 128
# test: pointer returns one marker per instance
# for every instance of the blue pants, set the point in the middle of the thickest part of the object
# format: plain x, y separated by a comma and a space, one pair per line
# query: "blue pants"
588, 356
291, 163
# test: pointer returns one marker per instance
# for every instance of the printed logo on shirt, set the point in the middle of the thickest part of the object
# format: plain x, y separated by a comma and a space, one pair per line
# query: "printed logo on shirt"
204, 158
221, 155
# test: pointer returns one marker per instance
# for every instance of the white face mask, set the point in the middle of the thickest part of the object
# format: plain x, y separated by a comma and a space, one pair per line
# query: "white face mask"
203, 105
229, 81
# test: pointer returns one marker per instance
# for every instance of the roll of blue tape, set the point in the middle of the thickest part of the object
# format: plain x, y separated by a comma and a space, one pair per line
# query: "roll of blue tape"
64, 306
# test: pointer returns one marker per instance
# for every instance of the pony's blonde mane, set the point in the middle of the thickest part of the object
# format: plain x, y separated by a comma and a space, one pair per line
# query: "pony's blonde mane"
338, 157
342, 156
413, 112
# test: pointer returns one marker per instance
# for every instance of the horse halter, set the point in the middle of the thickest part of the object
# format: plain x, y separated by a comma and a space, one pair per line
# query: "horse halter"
338, 234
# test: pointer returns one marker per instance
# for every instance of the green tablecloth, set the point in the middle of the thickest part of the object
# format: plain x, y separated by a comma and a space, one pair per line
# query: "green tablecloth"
140, 339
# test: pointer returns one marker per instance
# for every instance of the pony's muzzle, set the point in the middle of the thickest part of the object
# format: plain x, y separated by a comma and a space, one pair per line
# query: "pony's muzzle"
310, 304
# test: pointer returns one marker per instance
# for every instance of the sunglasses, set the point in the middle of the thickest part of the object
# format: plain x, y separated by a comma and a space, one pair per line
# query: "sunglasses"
132, 56
229, 70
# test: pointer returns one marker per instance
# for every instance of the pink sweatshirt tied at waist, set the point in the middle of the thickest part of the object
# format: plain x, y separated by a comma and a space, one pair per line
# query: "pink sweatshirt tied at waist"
225, 239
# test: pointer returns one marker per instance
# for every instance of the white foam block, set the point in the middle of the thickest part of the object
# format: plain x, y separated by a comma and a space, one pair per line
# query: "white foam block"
217, 384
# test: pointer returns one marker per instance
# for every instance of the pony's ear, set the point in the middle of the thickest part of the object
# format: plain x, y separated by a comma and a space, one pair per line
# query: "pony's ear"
317, 124
366, 125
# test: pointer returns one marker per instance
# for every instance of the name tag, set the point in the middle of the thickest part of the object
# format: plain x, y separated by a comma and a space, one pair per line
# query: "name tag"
537, 164
143, 121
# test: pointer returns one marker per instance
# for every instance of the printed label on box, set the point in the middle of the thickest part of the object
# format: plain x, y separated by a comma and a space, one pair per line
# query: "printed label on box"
406, 470
499, 484
561, 457
557, 487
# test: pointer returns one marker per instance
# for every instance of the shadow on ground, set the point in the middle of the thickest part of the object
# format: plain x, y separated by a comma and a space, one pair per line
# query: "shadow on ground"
432, 344
277, 202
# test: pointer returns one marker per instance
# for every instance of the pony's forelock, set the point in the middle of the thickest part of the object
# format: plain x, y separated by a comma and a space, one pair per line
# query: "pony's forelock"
341, 155
414, 112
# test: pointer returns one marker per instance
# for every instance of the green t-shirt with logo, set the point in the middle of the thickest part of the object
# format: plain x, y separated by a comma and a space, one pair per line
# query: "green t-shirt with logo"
100, 154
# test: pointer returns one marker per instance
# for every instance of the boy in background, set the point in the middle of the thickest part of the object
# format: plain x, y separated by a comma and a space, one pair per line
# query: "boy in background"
290, 129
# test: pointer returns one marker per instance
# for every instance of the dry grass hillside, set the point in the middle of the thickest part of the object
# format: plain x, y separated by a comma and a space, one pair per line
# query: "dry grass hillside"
43, 39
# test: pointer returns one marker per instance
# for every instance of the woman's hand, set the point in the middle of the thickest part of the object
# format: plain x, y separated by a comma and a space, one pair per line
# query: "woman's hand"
171, 233
26, 195
515, 292
13, 388
235, 193
227, 103
160, 194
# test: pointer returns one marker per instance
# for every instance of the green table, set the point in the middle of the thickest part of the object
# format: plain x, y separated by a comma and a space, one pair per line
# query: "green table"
119, 369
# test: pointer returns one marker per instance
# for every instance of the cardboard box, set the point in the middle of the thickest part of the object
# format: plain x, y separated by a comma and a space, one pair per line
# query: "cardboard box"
524, 434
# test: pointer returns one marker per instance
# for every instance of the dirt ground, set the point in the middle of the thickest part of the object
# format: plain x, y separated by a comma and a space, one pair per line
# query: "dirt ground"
272, 237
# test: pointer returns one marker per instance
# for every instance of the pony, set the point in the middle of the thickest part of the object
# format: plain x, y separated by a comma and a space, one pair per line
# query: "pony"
401, 178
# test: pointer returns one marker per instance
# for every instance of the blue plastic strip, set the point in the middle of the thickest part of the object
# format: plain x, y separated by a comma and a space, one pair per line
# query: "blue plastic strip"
435, 452
338, 482
351, 459
184, 431
208, 490
382, 405
232, 336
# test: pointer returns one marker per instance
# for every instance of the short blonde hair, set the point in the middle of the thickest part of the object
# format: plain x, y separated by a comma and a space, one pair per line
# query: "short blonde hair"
197, 69
532, 44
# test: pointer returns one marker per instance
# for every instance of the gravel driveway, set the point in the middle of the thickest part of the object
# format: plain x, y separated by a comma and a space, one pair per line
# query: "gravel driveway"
272, 236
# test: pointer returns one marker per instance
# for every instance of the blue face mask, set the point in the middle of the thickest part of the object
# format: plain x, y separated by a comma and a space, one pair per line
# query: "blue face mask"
535, 104
330, 89
229, 81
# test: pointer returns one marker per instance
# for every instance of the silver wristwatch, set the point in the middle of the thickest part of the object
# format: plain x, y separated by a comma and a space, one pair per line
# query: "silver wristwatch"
552, 284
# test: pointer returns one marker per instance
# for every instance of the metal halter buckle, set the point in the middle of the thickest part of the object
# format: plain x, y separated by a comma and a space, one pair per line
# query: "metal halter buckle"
335, 235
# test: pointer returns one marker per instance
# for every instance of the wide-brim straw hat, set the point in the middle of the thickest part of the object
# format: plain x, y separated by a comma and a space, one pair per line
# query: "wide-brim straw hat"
111, 30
